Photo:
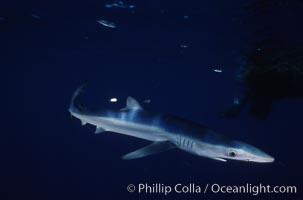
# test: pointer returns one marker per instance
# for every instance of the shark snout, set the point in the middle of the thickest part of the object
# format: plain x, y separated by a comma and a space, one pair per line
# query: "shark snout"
264, 158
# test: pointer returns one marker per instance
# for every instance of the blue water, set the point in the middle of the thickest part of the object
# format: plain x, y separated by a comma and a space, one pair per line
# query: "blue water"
162, 51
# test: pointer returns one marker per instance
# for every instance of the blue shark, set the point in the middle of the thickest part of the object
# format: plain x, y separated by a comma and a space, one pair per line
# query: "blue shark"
166, 132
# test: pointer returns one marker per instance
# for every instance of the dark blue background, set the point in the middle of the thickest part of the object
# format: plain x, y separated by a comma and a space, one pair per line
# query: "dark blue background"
47, 155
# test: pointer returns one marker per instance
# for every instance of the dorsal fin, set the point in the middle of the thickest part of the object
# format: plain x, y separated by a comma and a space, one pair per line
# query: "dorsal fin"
132, 104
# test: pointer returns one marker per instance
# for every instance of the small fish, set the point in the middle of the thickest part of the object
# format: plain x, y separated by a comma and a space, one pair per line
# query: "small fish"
107, 23
218, 70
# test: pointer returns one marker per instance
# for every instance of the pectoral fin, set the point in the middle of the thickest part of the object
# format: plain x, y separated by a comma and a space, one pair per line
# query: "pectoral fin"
220, 159
153, 148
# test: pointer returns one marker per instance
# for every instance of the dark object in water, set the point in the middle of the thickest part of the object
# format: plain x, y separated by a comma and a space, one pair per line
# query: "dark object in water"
262, 6
274, 70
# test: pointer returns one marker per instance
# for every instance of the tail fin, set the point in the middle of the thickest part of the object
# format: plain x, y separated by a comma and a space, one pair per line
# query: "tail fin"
74, 106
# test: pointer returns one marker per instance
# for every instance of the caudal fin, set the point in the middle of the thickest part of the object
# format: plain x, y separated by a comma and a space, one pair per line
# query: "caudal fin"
74, 105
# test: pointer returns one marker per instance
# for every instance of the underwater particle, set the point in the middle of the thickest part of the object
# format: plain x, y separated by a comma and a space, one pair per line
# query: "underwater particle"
218, 70
162, 11
110, 5
119, 4
147, 100
236, 101
35, 16
185, 17
184, 45
107, 23
113, 100
2, 18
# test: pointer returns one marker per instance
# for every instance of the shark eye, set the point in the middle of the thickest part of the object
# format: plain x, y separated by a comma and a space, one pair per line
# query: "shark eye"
232, 153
